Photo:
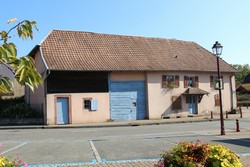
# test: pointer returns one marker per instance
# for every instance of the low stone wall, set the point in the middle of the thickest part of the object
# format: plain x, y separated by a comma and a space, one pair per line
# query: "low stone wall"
25, 121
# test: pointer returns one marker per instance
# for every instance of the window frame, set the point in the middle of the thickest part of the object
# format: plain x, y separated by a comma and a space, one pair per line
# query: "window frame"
195, 81
213, 82
166, 82
89, 103
216, 100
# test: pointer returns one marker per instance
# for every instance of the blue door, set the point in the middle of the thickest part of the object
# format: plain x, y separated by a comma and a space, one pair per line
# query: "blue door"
127, 100
62, 107
192, 104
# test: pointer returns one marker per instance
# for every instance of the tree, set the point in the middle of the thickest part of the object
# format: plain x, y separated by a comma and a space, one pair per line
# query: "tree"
242, 72
23, 68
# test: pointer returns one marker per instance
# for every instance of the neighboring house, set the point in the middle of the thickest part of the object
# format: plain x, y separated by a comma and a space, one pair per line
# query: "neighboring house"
91, 77
245, 86
18, 90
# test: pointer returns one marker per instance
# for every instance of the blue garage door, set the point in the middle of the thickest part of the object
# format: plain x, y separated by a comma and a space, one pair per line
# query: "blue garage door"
62, 107
128, 100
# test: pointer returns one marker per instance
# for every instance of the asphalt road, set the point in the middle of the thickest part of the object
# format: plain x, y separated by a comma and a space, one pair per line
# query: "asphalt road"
86, 145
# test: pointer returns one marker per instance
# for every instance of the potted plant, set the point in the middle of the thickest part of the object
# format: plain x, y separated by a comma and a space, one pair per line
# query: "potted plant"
188, 154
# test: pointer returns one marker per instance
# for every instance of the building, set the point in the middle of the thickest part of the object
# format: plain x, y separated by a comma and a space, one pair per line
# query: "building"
92, 77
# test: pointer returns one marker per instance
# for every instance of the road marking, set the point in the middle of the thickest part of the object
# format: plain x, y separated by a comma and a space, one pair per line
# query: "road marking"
14, 148
97, 156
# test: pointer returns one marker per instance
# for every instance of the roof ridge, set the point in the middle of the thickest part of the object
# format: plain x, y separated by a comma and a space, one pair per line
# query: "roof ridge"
122, 35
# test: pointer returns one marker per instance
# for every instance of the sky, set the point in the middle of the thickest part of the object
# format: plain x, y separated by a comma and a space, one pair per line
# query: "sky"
203, 22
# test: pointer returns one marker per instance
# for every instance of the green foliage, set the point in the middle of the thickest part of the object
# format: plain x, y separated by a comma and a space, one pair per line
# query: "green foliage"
243, 71
187, 154
16, 108
171, 85
5, 84
23, 68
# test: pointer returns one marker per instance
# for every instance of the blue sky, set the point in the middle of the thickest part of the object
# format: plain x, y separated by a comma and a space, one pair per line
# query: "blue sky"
203, 22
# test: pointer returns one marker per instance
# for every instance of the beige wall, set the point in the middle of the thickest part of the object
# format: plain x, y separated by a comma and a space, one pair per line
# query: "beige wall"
36, 98
78, 113
159, 99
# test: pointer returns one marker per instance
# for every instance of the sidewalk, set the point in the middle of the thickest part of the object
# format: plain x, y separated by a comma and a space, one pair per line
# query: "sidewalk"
245, 161
202, 118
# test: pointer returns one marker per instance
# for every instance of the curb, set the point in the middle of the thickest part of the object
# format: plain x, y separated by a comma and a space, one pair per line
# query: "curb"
115, 124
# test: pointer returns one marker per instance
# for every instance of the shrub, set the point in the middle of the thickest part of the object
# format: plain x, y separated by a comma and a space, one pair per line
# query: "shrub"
16, 108
198, 154
20, 111
5, 103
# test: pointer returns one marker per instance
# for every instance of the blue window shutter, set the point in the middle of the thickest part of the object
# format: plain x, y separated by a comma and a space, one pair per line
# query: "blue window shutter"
94, 105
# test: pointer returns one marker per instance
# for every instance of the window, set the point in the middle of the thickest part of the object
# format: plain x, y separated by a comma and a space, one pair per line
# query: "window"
176, 103
171, 81
89, 104
216, 100
214, 82
191, 81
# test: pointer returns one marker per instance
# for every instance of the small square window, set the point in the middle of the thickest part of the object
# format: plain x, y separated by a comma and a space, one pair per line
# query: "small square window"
87, 104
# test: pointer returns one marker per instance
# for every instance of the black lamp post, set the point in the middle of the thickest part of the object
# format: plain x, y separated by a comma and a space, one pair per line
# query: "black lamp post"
217, 50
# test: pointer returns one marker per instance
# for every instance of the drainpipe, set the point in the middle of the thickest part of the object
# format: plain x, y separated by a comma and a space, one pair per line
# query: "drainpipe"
232, 92
45, 87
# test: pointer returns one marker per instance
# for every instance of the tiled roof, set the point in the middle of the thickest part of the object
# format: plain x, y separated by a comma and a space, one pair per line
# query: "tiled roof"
195, 91
86, 51
245, 87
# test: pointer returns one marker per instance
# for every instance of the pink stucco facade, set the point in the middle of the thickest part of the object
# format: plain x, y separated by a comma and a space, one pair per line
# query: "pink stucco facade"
158, 99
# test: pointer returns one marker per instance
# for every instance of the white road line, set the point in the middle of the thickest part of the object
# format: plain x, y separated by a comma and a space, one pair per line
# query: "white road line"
97, 156
14, 148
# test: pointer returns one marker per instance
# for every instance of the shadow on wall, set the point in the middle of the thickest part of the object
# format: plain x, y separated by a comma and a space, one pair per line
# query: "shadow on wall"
170, 112
166, 90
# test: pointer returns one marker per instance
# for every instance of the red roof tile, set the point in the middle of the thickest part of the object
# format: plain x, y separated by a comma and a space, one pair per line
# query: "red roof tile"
86, 51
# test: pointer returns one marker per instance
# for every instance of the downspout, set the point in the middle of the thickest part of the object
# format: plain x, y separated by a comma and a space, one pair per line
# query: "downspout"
45, 87
109, 85
231, 93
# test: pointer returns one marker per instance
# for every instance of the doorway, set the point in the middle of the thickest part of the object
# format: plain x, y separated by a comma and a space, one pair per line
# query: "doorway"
192, 104
62, 110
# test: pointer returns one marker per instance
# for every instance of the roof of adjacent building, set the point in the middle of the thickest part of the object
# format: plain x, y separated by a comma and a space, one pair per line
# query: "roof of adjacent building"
245, 87
87, 51
247, 79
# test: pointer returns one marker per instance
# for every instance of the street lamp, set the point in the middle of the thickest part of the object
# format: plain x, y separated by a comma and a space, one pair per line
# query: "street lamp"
217, 50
